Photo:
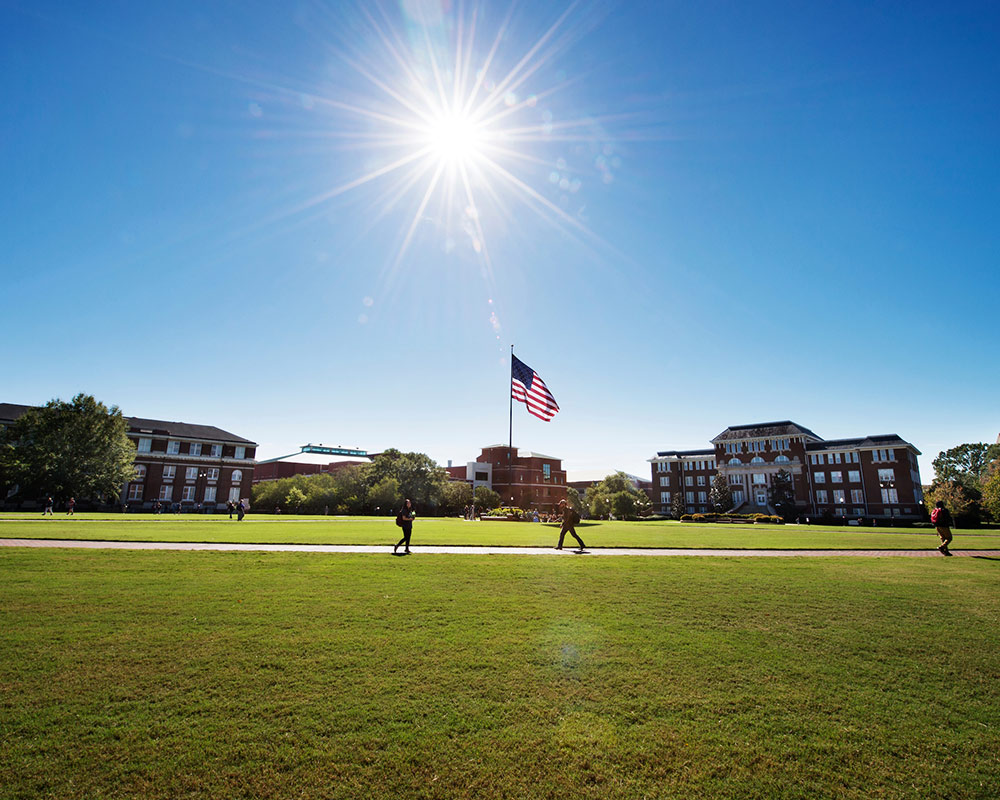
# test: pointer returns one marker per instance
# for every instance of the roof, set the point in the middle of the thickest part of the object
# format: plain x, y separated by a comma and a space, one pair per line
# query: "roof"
762, 429
184, 430
683, 453
11, 411
880, 440
521, 453
319, 459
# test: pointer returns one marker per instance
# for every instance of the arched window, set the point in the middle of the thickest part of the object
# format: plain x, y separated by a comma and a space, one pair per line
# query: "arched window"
756, 460
734, 462
140, 472
237, 475
781, 460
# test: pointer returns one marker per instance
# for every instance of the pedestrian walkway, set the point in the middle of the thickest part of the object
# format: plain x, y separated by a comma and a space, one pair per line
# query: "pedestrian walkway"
480, 551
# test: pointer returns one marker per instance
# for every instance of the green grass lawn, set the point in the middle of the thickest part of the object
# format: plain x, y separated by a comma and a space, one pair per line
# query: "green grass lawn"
280, 675
381, 530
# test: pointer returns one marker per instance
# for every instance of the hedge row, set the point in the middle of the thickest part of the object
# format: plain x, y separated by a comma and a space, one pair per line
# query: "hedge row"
762, 518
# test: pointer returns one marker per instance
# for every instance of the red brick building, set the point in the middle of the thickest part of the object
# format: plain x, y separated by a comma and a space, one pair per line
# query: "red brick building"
525, 479
180, 463
870, 477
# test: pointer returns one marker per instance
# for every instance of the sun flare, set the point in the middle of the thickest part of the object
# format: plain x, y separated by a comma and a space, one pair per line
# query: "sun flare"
455, 138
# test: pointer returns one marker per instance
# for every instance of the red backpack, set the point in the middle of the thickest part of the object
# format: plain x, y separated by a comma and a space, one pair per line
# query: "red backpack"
935, 516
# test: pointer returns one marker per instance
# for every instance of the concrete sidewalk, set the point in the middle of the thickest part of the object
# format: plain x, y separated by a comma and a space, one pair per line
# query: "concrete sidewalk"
462, 550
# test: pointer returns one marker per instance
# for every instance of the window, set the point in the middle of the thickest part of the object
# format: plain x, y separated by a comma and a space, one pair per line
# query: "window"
194, 449
480, 476
191, 474
234, 494
145, 445
702, 497
216, 450
140, 472
166, 492
688, 480
664, 481
838, 496
212, 474
241, 452
188, 494
737, 498
168, 474
756, 460
664, 498
660, 466
821, 496
689, 496
135, 491
209, 494
820, 477
734, 462
759, 478
781, 460
836, 477
817, 458
852, 458
238, 476
173, 448
854, 476
859, 512
885, 455
701, 480
834, 458
890, 496
546, 470
736, 480
886, 475
857, 496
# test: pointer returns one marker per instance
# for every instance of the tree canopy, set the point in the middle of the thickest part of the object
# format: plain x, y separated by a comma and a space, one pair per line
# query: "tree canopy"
76, 449
966, 463
720, 495
782, 495
617, 495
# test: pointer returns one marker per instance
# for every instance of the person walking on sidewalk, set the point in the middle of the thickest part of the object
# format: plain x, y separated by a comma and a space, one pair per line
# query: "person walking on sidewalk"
569, 522
404, 519
941, 519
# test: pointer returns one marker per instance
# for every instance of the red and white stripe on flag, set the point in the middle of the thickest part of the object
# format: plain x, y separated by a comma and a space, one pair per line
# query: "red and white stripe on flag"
526, 387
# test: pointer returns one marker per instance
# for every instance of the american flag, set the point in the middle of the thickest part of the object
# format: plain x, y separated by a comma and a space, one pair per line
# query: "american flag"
526, 387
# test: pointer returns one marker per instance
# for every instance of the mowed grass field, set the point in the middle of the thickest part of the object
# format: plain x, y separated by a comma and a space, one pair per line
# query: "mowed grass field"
449, 531
281, 675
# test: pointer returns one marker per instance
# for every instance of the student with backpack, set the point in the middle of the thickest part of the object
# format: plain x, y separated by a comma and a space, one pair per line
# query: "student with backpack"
941, 519
404, 519
569, 522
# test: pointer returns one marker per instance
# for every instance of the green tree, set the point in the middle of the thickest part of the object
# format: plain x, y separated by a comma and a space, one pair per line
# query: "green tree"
573, 500
601, 499
782, 495
75, 449
485, 498
720, 495
420, 478
385, 495
966, 463
677, 506
295, 498
964, 507
991, 494
457, 495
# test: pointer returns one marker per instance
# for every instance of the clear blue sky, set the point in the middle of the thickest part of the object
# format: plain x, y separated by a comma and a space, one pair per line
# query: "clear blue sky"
692, 215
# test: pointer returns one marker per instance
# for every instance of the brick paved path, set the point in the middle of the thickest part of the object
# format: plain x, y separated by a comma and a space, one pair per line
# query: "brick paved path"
458, 550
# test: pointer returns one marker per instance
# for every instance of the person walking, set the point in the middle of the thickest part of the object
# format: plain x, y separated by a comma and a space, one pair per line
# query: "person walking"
404, 519
569, 522
230, 507
241, 511
70, 506
941, 519
48, 507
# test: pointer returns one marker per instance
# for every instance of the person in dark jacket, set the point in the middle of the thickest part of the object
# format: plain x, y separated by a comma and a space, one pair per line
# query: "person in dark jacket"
942, 520
569, 521
405, 521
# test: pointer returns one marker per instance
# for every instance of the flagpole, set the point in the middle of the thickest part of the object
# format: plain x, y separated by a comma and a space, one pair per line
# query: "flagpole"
510, 392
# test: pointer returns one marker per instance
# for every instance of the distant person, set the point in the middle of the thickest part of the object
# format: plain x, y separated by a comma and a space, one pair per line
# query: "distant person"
241, 511
404, 519
326, 511
231, 507
70, 506
157, 507
569, 521
48, 507
941, 519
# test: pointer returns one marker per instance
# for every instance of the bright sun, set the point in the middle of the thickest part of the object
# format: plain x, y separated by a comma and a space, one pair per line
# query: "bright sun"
455, 138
